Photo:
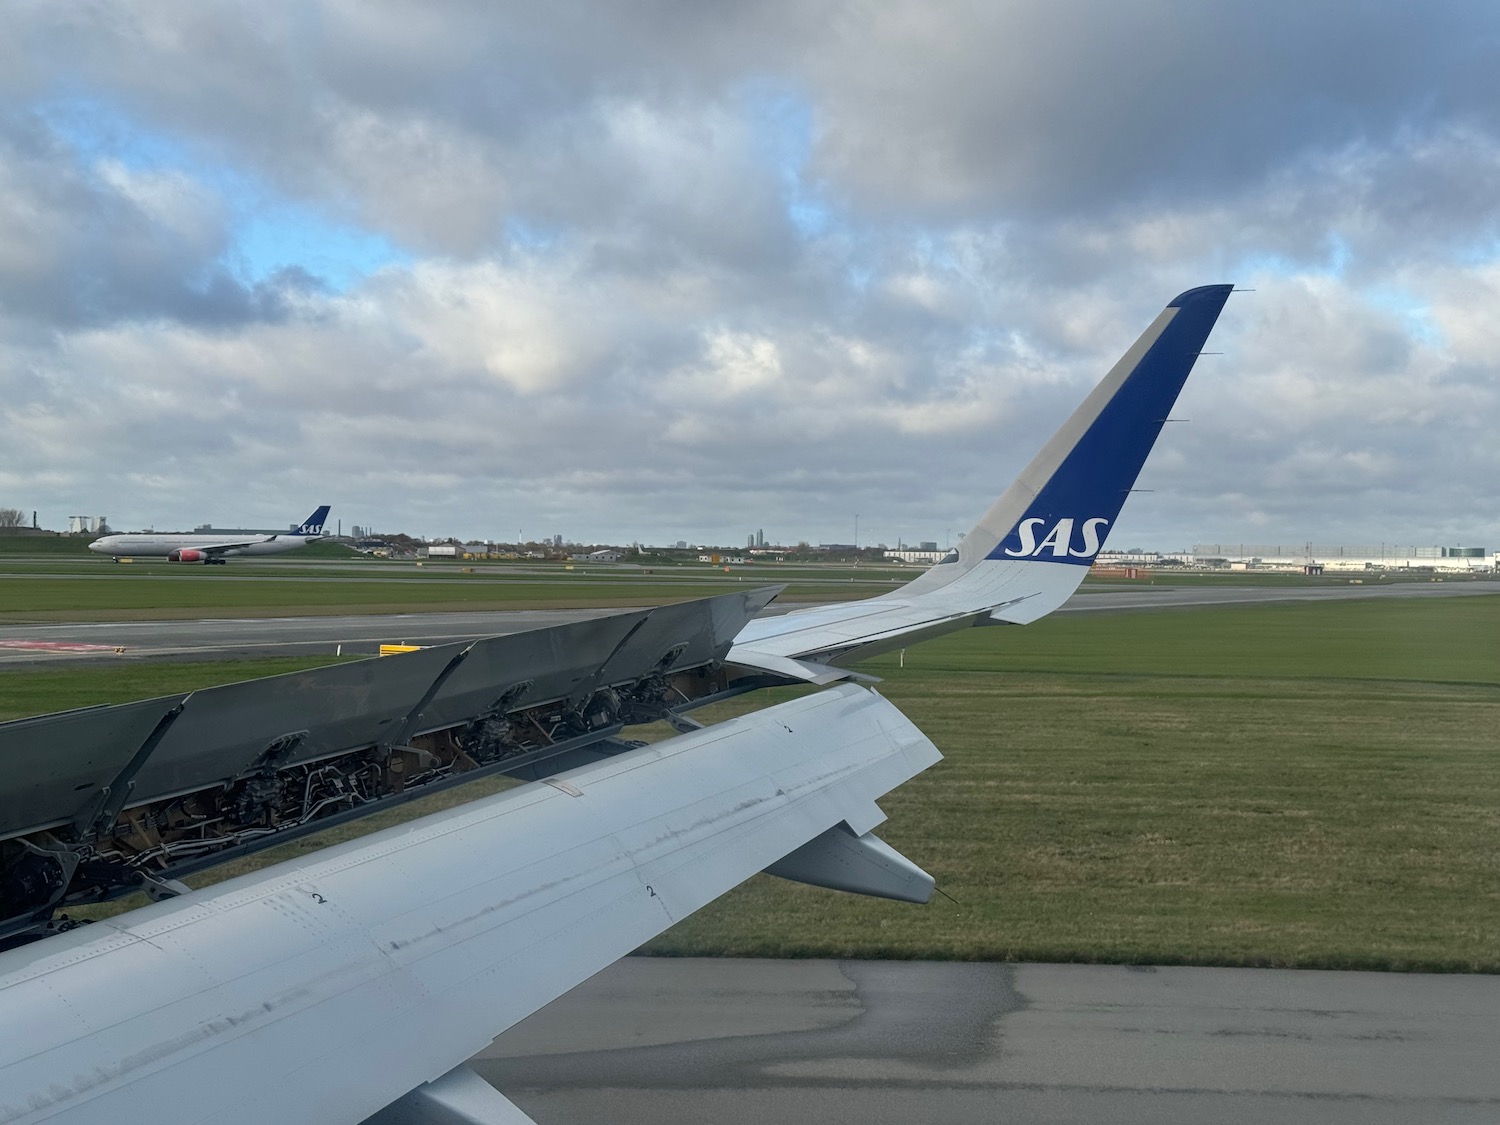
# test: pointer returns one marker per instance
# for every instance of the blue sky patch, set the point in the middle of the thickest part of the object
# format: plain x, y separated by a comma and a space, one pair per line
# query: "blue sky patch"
783, 122
268, 231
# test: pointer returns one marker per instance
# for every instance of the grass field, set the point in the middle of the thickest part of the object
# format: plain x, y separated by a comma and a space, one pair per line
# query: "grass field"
42, 590
1313, 785
162, 591
1300, 785
62, 687
197, 595
55, 580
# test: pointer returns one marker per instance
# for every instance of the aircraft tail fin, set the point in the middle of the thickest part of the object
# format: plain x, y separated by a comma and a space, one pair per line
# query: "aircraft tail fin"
1061, 507
313, 524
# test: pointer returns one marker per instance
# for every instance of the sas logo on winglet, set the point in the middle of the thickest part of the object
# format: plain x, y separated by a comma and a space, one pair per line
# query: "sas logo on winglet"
1058, 542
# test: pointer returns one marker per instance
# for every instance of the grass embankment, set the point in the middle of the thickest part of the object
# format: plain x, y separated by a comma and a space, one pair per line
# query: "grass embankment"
44, 600
63, 687
1305, 785
1312, 785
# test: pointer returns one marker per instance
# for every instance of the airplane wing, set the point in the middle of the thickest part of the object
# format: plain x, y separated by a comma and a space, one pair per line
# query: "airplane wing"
213, 551
217, 549
356, 981
1033, 547
321, 990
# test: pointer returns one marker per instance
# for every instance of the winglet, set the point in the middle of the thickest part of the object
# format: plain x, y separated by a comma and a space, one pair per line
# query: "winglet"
1061, 507
1030, 551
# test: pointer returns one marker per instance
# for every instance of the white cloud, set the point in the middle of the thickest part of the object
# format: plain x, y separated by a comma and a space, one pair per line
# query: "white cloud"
612, 321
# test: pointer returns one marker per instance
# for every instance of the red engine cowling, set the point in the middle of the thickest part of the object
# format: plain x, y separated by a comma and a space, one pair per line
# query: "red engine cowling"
186, 554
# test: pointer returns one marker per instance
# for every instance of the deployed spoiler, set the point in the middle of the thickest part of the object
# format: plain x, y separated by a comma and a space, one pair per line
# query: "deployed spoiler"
102, 801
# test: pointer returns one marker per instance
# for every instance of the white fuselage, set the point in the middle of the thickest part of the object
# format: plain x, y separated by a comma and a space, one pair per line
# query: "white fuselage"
160, 546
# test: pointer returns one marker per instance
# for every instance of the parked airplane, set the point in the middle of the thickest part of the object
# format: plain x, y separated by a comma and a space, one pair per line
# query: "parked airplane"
211, 549
357, 980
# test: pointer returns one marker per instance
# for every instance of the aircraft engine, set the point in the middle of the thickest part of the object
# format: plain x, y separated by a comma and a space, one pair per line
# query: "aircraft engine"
185, 554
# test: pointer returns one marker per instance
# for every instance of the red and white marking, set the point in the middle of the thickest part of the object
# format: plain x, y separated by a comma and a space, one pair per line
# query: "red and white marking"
57, 646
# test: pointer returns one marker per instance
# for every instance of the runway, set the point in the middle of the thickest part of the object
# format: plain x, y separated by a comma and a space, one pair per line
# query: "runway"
231, 638
1095, 599
731, 1041
277, 636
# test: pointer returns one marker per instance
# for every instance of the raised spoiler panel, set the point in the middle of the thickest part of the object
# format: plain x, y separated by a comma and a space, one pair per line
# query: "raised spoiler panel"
102, 801
53, 766
321, 990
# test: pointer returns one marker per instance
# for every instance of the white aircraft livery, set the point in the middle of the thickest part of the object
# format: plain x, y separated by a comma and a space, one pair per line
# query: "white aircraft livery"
212, 549
352, 984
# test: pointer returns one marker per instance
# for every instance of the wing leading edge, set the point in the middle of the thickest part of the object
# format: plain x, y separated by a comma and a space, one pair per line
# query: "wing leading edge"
1029, 552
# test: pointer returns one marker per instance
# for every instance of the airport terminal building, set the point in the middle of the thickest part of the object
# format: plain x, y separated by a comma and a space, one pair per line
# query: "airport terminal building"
1383, 556
1305, 558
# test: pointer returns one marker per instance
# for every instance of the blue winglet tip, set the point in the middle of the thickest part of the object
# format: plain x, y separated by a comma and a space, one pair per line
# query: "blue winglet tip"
1201, 293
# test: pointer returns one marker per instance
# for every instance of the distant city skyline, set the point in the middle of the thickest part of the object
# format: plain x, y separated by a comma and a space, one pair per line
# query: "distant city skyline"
1259, 541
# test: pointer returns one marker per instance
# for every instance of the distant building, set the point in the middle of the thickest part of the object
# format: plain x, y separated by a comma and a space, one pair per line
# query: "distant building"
1334, 558
81, 525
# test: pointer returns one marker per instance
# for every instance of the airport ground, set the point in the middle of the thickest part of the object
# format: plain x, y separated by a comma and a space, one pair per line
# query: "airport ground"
889, 1043
1289, 783
70, 585
1291, 774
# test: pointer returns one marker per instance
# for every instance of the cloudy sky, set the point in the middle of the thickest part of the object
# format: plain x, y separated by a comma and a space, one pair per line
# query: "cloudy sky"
667, 271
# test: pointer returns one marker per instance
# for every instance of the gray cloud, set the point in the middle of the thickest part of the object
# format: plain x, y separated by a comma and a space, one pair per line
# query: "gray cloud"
678, 272
79, 246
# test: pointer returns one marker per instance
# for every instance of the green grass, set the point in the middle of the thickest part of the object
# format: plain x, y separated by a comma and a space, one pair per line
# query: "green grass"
50, 546
208, 592
44, 591
54, 687
1312, 785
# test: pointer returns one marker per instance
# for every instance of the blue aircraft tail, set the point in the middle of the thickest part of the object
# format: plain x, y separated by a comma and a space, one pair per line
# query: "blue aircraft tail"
313, 524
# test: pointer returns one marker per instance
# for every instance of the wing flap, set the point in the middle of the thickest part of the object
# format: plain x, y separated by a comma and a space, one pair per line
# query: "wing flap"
459, 1097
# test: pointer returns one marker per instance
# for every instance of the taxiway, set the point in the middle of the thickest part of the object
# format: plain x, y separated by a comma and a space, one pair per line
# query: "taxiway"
867, 1042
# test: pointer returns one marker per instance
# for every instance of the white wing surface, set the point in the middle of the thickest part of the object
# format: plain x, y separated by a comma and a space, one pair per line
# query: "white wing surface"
321, 990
